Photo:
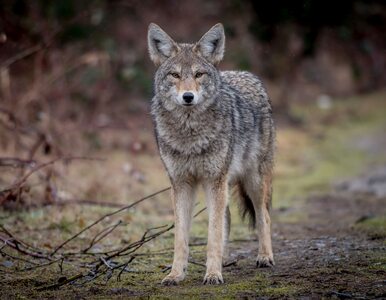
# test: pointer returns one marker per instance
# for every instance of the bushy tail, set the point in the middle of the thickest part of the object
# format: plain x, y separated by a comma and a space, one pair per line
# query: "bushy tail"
246, 206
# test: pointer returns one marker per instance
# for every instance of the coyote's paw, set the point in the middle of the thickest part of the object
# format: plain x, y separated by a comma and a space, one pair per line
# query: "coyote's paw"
265, 261
172, 279
213, 278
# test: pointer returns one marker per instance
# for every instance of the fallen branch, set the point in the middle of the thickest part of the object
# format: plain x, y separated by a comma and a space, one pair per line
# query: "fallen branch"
20, 246
61, 283
15, 162
15, 257
145, 238
124, 266
131, 248
102, 265
16, 246
101, 235
41, 265
106, 216
106, 262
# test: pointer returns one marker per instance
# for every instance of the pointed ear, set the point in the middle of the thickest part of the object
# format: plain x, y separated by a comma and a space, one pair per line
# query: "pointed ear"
212, 44
161, 46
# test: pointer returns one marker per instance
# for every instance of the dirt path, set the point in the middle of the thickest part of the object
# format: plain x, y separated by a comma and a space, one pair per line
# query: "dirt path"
329, 246
334, 251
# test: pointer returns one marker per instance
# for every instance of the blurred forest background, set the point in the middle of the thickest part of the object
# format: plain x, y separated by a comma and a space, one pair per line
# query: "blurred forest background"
71, 71
75, 128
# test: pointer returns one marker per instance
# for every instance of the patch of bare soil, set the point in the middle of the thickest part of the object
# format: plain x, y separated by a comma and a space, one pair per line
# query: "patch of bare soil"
324, 253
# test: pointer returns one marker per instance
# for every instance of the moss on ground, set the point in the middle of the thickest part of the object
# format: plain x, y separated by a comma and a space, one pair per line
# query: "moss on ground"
374, 227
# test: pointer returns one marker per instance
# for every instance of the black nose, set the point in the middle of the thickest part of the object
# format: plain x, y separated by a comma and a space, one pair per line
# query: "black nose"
188, 97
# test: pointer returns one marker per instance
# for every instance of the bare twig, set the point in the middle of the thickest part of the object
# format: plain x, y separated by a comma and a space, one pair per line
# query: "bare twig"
15, 245
20, 56
101, 235
106, 216
42, 265
124, 266
106, 263
15, 162
196, 263
12, 237
230, 263
131, 248
61, 283
15, 257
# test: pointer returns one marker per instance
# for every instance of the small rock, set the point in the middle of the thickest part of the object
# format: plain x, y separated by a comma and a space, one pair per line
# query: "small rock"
324, 102
7, 263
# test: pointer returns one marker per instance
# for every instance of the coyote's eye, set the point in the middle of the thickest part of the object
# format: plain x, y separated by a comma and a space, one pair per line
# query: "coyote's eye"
199, 74
175, 75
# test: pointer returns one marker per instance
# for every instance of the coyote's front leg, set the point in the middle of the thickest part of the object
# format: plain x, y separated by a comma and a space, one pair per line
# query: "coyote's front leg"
216, 199
183, 199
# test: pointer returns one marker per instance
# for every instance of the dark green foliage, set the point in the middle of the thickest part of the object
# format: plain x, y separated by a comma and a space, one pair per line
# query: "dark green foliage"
38, 19
282, 35
315, 16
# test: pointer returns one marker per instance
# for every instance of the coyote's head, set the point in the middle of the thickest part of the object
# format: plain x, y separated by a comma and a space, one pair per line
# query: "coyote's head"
186, 75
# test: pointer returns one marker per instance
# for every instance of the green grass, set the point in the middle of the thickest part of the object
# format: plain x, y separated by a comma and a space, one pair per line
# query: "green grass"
375, 227
319, 153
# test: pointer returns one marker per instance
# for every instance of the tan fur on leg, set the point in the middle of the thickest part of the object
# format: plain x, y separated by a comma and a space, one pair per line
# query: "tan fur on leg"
183, 199
227, 233
216, 198
260, 191
265, 255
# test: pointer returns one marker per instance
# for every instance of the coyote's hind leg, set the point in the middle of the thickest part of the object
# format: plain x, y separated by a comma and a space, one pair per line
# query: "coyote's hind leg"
227, 233
260, 192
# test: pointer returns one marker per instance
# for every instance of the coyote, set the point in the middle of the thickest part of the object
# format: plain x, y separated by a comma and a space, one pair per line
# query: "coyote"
213, 129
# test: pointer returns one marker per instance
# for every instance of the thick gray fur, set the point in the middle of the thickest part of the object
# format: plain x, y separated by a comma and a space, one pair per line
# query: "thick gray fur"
229, 133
